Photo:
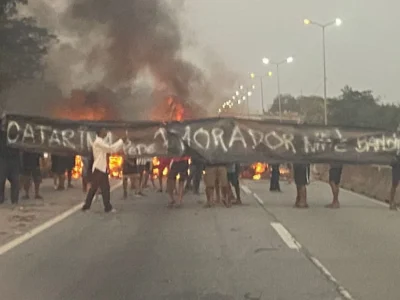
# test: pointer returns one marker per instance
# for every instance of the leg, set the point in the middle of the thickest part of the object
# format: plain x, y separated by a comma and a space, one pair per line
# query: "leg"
95, 183
160, 180
209, 181
222, 178
170, 190
125, 186
69, 174
3, 178
26, 184
198, 172
105, 192
14, 178
37, 180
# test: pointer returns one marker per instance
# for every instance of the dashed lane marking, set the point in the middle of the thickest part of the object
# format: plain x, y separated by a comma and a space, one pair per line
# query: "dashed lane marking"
259, 200
286, 236
246, 189
35, 231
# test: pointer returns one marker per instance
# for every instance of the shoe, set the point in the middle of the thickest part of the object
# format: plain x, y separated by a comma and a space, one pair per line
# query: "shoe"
113, 210
84, 208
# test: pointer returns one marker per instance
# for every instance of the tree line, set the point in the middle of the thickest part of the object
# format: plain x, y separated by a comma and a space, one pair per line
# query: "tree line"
23, 45
350, 108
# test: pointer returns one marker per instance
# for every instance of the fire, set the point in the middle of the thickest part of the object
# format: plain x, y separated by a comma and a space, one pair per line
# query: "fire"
259, 168
115, 166
257, 177
77, 170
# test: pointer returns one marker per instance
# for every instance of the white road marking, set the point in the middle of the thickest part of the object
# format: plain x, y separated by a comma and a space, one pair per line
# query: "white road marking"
258, 199
328, 274
245, 189
382, 203
35, 231
286, 236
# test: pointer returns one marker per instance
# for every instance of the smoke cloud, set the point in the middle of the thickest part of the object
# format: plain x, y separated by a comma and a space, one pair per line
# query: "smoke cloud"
126, 45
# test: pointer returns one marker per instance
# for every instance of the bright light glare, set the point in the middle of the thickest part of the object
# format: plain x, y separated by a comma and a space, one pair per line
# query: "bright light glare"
289, 60
253, 86
219, 110
252, 75
241, 87
269, 73
233, 97
249, 94
265, 61
237, 93
244, 98
338, 22
239, 101
307, 22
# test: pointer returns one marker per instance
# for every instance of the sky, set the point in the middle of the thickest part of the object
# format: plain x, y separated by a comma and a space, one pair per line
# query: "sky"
362, 53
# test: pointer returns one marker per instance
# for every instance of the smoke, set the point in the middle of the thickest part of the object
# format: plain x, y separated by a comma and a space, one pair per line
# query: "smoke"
118, 44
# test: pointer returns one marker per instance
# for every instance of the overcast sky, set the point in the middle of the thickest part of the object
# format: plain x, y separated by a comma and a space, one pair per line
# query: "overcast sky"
363, 53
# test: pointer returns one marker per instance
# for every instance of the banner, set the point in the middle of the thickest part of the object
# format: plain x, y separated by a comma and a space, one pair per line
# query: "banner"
214, 140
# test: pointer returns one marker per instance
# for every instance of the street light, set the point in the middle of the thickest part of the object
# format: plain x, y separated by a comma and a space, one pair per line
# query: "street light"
253, 76
336, 22
249, 93
237, 93
241, 87
288, 60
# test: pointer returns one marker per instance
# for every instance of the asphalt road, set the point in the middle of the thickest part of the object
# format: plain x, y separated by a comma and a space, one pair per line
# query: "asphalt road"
147, 251
359, 243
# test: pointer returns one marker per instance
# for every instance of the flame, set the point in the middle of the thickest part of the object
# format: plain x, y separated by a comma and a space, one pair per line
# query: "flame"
115, 166
77, 170
259, 168
257, 177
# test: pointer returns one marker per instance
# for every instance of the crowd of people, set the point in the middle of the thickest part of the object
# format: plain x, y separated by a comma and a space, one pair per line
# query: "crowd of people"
22, 168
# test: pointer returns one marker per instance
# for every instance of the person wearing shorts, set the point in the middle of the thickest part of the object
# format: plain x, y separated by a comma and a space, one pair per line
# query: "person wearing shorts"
335, 174
129, 171
395, 183
141, 165
301, 174
233, 178
214, 173
31, 172
148, 169
179, 166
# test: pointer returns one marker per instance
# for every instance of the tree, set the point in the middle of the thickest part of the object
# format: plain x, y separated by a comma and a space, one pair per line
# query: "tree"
23, 45
311, 109
288, 104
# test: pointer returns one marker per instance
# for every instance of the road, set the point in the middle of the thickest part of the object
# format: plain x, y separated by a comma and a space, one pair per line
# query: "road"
147, 251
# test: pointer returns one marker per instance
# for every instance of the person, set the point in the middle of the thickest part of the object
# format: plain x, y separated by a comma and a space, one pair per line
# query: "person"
141, 165
179, 166
58, 168
129, 171
274, 183
10, 162
87, 165
99, 178
395, 182
148, 173
301, 172
233, 178
214, 173
198, 168
164, 163
31, 171
335, 174
70, 165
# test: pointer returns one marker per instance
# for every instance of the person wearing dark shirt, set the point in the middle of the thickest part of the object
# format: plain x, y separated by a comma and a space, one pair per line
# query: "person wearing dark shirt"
301, 172
70, 165
395, 182
275, 174
179, 166
9, 169
335, 174
130, 171
31, 171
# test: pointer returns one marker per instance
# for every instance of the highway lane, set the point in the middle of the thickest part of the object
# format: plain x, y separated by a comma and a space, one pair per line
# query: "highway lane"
359, 244
147, 251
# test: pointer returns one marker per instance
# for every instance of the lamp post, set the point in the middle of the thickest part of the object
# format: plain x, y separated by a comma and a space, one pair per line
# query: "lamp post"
336, 22
288, 60
253, 76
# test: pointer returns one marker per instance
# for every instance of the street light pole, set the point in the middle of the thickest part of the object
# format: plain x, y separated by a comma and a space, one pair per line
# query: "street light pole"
336, 22
325, 79
279, 93
262, 94
288, 60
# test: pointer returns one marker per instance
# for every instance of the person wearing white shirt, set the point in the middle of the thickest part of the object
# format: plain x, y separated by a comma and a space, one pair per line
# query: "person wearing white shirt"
99, 178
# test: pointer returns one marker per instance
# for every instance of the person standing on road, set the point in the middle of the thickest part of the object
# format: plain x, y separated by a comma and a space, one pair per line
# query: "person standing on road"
179, 166
70, 165
233, 178
31, 171
100, 170
214, 173
129, 171
10, 163
275, 174
335, 174
301, 173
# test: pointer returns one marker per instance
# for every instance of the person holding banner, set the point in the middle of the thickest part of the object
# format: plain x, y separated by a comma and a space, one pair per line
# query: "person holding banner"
301, 174
335, 174
99, 178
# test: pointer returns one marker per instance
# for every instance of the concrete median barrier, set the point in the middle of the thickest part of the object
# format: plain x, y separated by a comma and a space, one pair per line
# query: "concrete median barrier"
370, 180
